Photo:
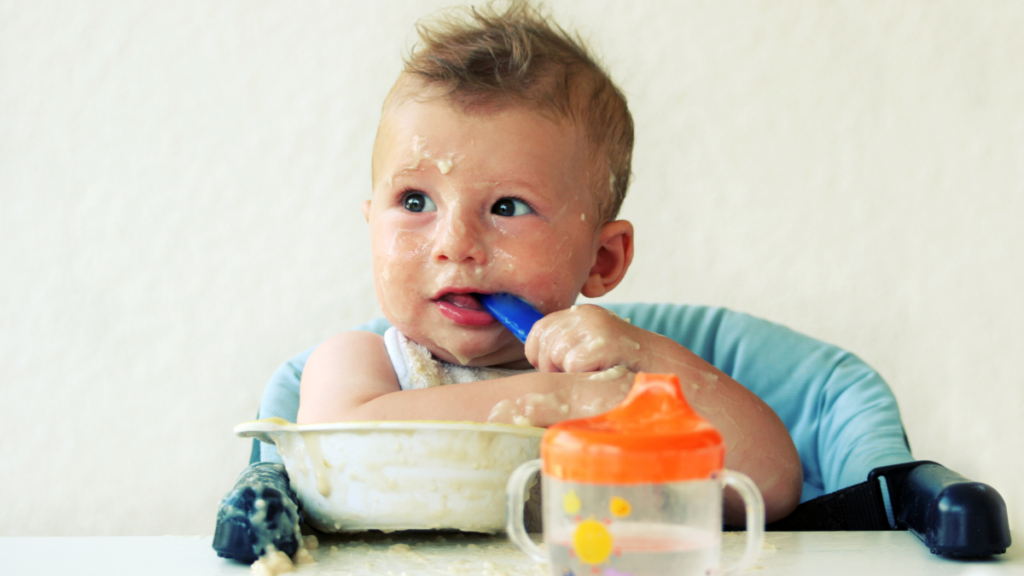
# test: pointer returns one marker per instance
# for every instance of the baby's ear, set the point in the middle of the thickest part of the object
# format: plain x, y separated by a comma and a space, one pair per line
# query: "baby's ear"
614, 255
366, 210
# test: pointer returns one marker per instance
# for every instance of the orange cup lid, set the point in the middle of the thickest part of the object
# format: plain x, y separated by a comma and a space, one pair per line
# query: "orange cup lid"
653, 436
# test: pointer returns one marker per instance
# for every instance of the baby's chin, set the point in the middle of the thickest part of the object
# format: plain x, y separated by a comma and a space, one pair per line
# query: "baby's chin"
505, 355
498, 358
491, 346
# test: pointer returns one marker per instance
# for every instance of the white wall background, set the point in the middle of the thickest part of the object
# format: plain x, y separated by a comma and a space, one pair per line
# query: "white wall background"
180, 184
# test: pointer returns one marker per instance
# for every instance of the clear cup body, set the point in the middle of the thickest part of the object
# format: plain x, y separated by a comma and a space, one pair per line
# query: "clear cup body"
633, 529
638, 529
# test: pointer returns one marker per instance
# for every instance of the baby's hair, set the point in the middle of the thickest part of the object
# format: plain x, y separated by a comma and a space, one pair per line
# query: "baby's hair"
492, 57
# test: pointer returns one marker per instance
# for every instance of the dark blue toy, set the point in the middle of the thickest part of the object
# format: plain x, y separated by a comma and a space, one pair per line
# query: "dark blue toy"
261, 510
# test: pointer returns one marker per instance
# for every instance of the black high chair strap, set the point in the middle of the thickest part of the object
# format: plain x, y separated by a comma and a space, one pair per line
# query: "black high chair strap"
857, 507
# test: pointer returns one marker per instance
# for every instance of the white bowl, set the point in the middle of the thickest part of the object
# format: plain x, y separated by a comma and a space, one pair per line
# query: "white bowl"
354, 476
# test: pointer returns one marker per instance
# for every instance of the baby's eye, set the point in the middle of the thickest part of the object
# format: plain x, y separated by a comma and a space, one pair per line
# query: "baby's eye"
511, 207
418, 202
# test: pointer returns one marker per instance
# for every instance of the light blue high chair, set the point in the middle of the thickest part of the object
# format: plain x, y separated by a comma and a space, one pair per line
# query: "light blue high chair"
859, 473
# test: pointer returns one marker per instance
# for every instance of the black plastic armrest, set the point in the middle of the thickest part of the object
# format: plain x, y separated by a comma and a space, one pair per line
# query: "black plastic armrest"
952, 515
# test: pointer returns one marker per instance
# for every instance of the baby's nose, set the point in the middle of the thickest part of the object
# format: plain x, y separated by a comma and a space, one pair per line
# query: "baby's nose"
460, 239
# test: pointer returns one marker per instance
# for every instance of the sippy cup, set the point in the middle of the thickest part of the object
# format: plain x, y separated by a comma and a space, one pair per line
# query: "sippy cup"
636, 491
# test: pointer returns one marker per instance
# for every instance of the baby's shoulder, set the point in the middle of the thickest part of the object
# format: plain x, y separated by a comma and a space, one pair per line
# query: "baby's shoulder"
350, 353
343, 371
353, 338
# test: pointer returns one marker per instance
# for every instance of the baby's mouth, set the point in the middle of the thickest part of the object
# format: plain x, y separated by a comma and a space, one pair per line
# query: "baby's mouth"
464, 309
467, 301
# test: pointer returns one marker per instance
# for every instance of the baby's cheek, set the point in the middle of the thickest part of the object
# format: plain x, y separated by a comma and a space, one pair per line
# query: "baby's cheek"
395, 271
406, 246
547, 279
504, 262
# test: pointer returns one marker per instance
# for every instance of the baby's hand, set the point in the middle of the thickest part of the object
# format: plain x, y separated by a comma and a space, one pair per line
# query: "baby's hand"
584, 338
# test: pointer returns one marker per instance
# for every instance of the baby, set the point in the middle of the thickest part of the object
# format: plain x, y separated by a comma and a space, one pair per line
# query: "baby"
501, 160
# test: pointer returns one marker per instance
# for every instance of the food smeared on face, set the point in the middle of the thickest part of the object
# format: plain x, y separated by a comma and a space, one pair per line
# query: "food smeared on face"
475, 203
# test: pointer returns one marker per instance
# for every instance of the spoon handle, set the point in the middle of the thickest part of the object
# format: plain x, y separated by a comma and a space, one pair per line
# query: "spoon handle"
514, 313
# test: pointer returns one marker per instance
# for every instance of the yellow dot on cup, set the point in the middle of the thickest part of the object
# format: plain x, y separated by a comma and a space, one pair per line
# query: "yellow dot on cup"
619, 507
571, 502
592, 542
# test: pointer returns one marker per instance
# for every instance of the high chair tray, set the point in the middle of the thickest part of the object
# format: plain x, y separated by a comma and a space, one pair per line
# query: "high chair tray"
783, 554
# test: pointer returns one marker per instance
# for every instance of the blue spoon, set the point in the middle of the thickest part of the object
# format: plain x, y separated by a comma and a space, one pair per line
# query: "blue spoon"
513, 313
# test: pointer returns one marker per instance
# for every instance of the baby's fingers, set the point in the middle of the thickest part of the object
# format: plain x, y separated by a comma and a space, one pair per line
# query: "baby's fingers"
562, 345
548, 343
532, 345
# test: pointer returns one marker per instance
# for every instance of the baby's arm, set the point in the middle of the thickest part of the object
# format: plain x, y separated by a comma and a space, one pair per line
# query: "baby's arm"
588, 338
342, 373
350, 377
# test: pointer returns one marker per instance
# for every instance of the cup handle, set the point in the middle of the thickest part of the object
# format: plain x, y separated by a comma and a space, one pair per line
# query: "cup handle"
754, 505
515, 501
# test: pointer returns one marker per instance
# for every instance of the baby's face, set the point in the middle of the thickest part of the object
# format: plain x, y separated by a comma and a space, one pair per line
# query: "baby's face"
483, 203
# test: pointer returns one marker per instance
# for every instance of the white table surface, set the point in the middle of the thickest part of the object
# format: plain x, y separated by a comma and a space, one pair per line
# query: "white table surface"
784, 553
